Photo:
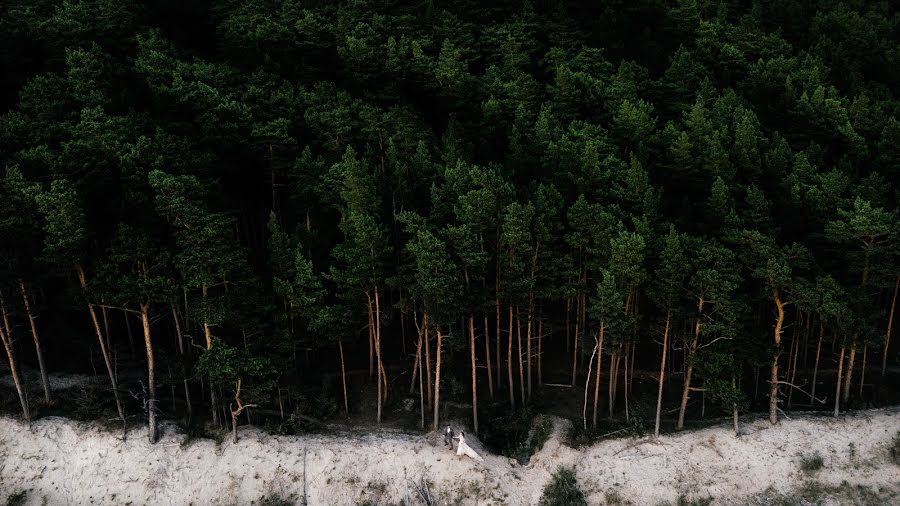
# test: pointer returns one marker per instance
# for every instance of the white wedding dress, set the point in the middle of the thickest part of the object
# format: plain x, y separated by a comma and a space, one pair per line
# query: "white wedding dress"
463, 449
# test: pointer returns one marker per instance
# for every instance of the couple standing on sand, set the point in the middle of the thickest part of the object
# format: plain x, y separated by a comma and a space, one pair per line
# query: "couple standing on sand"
461, 448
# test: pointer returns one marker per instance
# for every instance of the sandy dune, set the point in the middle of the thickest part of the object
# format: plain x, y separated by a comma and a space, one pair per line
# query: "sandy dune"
58, 461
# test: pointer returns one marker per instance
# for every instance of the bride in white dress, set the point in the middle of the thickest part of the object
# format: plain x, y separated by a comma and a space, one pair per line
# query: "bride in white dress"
463, 449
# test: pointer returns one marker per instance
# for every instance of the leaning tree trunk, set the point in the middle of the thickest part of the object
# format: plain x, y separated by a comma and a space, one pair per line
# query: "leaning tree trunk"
14, 369
662, 374
37, 341
474, 387
812, 394
437, 380
374, 337
887, 335
103, 351
151, 373
773, 380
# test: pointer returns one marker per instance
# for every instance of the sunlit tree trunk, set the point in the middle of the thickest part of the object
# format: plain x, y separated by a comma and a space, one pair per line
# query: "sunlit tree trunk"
521, 368
207, 333
151, 373
773, 380
37, 341
689, 370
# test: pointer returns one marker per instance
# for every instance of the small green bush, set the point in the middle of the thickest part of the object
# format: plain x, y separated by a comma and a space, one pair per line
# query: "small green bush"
563, 490
17, 498
812, 463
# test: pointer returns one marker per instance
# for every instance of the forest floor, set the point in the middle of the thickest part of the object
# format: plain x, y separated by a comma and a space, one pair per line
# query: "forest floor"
61, 461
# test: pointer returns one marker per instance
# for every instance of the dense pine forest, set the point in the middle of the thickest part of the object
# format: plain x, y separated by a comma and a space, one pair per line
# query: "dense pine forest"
648, 211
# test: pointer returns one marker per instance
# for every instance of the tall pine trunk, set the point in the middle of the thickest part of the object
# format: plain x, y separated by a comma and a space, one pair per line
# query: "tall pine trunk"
773, 379
521, 368
474, 384
343, 376
837, 390
151, 374
597, 382
487, 356
662, 374
437, 380
207, 333
689, 370
509, 361
37, 341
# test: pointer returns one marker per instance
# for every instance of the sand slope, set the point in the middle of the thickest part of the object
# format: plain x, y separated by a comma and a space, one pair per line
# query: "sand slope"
59, 461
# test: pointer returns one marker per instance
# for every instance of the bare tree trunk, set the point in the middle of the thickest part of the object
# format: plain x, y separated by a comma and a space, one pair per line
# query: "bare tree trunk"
474, 384
521, 370
568, 330
207, 333
662, 374
371, 340
887, 335
540, 351
106, 359
599, 367
812, 395
773, 380
487, 354
796, 350
14, 369
497, 344
416, 364
187, 390
37, 341
343, 376
151, 373
437, 380
588, 384
734, 412
378, 355
528, 344
862, 372
576, 340
849, 375
689, 370
427, 356
837, 390
131, 334
422, 397
509, 361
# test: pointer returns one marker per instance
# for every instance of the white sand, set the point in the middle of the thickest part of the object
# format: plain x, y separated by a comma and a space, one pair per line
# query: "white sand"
60, 461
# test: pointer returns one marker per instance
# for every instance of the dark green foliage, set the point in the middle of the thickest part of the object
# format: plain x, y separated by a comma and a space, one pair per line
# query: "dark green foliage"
563, 490
260, 170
